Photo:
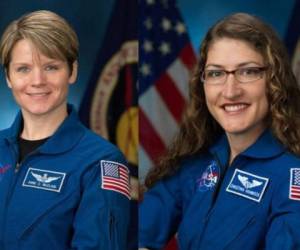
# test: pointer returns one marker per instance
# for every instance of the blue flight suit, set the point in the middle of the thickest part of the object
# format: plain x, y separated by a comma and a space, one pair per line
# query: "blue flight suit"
253, 204
55, 198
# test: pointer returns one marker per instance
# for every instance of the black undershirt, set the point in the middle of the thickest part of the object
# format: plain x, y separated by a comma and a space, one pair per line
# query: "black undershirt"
27, 146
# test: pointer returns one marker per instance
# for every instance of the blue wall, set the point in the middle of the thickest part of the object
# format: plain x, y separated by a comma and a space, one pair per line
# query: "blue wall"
89, 18
200, 15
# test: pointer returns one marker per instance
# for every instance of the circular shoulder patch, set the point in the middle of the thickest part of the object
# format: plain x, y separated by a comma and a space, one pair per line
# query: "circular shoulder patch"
209, 178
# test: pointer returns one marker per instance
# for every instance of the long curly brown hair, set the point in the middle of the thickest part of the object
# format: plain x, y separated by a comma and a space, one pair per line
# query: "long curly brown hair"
199, 129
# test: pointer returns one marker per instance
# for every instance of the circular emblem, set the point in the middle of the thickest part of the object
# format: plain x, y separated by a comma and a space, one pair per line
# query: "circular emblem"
127, 134
209, 177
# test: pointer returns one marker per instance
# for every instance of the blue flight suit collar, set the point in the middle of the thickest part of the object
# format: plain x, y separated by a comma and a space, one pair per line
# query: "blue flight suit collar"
257, 150
65, 138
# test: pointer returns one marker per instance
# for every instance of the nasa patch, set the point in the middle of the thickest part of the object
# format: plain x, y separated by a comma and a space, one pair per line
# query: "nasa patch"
44, 179
209, 178
247, 185
3, 170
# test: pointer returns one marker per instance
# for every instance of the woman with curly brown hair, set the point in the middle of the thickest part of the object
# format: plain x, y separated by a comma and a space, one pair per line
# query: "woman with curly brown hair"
231, 178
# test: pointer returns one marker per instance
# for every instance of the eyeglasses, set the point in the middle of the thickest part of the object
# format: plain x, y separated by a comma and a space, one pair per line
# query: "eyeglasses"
242, 75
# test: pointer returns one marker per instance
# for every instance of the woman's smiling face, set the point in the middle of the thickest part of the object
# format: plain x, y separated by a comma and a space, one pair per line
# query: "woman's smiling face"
240, 108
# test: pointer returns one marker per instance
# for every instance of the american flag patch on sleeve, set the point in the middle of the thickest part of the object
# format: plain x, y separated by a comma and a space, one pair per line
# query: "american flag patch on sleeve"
115, 177
295, 184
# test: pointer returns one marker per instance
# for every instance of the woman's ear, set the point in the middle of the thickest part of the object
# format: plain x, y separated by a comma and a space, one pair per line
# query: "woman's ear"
74, 72
7, 79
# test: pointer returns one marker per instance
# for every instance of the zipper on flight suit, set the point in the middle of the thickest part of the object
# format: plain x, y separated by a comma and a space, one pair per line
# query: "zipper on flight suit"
17, 168
217, 190
16, 171
12, 188
9, 194
214, 196
219, 183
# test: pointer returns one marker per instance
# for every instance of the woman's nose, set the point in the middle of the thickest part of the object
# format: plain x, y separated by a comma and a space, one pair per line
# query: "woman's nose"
232, 88
38, 76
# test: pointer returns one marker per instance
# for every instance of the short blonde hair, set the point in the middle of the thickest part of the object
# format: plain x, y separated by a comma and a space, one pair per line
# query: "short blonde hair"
49, 32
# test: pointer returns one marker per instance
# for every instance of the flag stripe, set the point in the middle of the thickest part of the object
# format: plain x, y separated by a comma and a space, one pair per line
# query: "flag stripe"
179, 74
124, 171
145, 161
295, 191
158, 115
116, 184
154, 145
121, 183
116, 188
171, 96
121, 180
188, 57
295, 196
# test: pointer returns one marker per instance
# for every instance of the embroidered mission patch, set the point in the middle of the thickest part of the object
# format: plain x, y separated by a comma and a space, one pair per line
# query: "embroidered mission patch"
209, 178
115, 177
247, 185
44, 179
295, 184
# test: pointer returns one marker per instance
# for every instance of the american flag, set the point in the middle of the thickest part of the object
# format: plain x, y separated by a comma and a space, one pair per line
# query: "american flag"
295, 184
166, 59
115, 177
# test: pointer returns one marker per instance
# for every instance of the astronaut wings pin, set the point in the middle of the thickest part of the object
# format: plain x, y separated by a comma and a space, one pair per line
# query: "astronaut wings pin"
44, 179
247, 185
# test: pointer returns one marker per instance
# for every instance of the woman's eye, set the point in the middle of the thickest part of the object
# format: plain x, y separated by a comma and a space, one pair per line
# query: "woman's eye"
214, 73
23, 69
51, 68
249, 71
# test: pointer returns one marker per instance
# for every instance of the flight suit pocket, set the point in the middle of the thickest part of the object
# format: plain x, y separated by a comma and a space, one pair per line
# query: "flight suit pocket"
53, 213
239, 234
113, 241
111, 225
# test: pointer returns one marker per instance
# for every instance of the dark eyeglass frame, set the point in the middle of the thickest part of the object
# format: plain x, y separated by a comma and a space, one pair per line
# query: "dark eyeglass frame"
261, 70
